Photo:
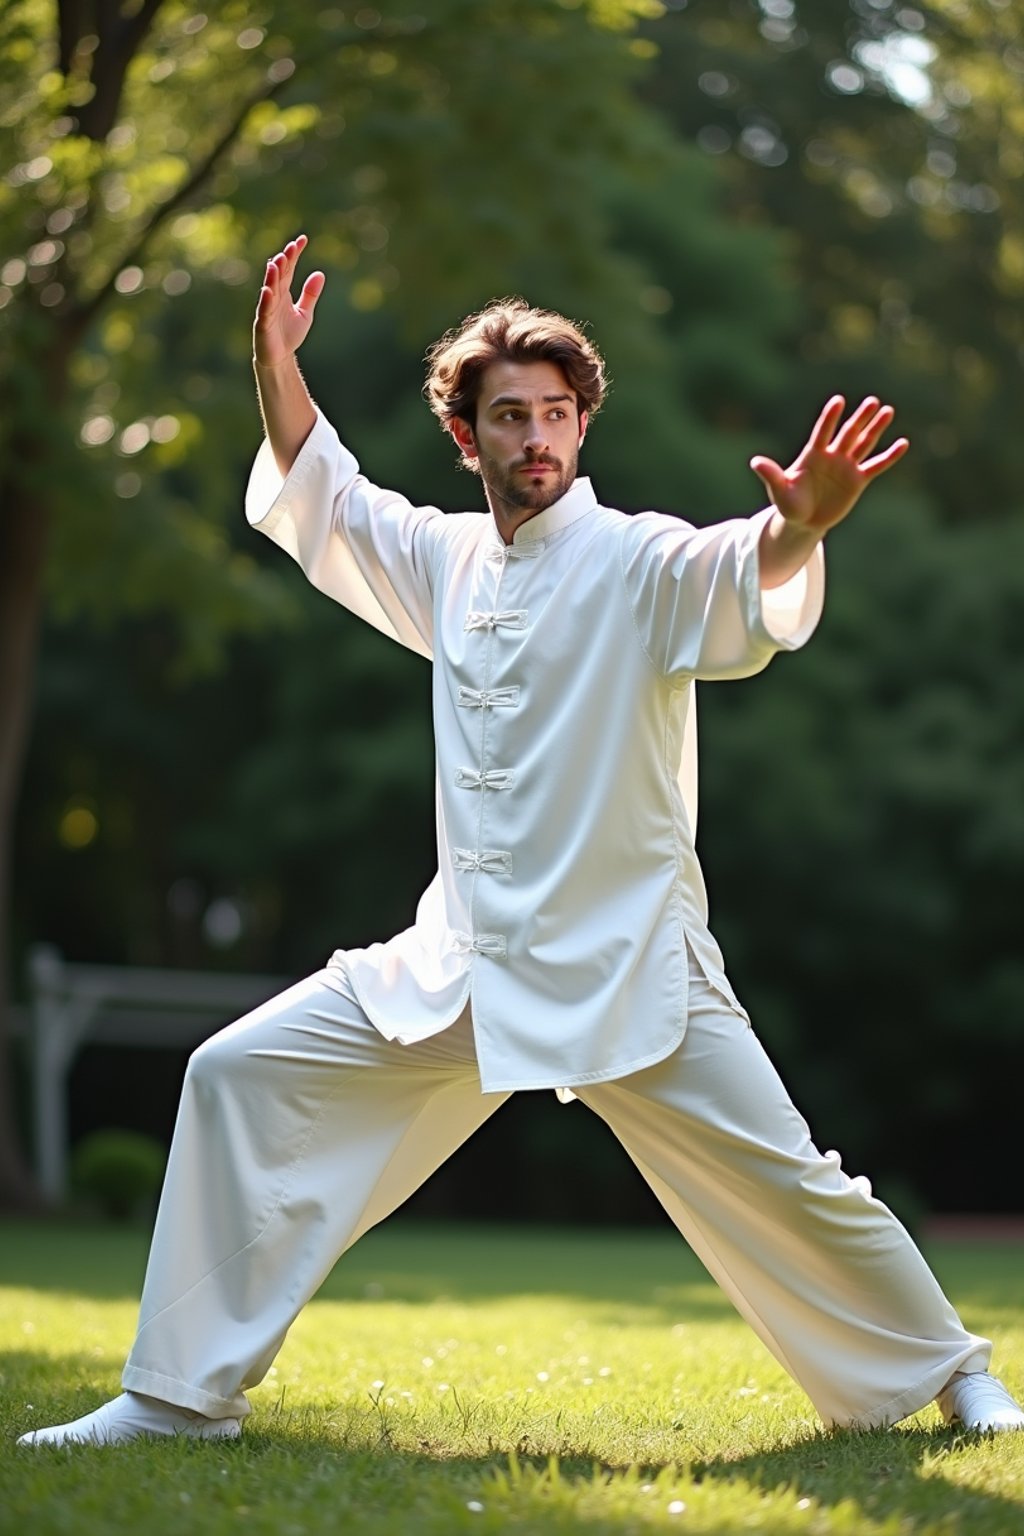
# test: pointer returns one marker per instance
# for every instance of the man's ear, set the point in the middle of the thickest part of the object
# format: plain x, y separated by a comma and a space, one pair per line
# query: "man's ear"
464, 436
583, 426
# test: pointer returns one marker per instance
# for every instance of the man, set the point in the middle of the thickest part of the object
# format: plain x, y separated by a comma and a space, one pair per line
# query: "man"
564, 942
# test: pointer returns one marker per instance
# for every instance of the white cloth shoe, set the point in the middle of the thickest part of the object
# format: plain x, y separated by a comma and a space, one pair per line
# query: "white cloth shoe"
129, 1416
979, 1401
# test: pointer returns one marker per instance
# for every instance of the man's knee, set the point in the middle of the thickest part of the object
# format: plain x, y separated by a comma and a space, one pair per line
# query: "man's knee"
216, 1059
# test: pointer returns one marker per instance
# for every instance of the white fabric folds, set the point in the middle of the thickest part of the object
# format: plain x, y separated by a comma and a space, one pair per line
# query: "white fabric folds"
563, 707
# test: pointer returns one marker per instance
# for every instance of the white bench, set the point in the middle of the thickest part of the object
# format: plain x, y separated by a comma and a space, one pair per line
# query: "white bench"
114, 1005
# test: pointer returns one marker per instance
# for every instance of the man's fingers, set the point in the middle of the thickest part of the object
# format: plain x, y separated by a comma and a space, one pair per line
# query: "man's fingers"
282, 265
886, 460
312, 288
265, 306
870, 434
294, 247
771, 474
856, 425
291, 253
826, 423
277, 279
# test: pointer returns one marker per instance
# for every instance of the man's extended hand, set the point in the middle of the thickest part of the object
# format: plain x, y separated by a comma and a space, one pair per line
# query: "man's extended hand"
822, 484
833, 469
280, 326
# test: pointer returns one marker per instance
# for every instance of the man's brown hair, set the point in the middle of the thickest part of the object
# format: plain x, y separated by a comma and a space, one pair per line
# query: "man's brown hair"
509, 330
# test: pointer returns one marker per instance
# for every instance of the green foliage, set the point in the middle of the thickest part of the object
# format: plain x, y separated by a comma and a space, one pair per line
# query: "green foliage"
781, 230
119, 1171
134, 228
154, 162
885, 142
868, 901
321, 739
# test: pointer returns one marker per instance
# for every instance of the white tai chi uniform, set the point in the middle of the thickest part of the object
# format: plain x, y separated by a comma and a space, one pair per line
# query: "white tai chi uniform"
563, 944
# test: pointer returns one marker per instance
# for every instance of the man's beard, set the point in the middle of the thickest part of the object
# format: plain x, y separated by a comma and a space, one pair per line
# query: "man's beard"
509, 486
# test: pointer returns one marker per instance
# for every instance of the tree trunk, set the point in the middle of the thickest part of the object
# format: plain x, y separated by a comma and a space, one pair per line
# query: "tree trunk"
23, 538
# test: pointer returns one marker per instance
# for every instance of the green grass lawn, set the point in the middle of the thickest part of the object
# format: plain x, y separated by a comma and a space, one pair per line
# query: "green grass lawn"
469, 1379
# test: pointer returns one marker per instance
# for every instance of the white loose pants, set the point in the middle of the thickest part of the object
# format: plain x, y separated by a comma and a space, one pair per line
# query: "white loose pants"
300, 1127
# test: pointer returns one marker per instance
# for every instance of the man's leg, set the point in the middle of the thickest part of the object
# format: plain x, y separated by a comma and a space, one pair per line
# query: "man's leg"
823, 1272
299, 1128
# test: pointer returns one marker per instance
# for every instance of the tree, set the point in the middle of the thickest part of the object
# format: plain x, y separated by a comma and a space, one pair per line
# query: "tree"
330, 757
864, 906
124, 197
870, 906
885, 141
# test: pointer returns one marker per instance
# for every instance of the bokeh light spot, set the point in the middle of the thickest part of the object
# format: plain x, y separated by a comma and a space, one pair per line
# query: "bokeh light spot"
78, 826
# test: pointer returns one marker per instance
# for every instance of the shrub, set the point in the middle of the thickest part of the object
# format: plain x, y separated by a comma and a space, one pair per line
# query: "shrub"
121, 1171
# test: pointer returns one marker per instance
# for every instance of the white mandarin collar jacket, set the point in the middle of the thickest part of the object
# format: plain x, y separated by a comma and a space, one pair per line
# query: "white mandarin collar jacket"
566, 753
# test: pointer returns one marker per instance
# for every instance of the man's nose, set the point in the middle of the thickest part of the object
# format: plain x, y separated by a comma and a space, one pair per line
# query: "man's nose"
536, 437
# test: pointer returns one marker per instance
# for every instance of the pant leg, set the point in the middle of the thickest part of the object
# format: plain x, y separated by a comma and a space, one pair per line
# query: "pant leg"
823, 1272
299, 1128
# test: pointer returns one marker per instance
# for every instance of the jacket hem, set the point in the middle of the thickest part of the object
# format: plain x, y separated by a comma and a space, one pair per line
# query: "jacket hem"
588, 1079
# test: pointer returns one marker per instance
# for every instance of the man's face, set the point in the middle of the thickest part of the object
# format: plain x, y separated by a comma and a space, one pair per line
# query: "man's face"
526, 439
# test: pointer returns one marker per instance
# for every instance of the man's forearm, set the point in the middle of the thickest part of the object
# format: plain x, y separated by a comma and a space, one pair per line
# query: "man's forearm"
289, 414
783, 551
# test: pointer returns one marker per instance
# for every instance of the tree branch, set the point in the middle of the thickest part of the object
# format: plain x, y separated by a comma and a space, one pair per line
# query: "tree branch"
70, 31
119, 42
81, 315
201, 173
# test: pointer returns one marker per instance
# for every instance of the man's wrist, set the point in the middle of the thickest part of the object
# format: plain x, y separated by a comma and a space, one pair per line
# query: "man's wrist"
789, 534
785, 549
262, 365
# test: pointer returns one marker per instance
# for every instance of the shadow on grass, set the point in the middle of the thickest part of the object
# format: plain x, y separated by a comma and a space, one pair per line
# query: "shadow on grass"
883, 1474
408, 1262
101, 1260
867, 1479
416, 1261
346, 1457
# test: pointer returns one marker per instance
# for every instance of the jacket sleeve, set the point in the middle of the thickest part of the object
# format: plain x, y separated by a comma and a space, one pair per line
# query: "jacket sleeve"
369, 549
696, 598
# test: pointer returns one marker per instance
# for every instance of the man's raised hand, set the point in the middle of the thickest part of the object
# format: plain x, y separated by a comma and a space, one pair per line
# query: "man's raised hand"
281, 326
834, 468
279, 329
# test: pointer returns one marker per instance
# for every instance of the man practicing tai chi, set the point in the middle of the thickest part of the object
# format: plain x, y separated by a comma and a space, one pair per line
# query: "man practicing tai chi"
564, 942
